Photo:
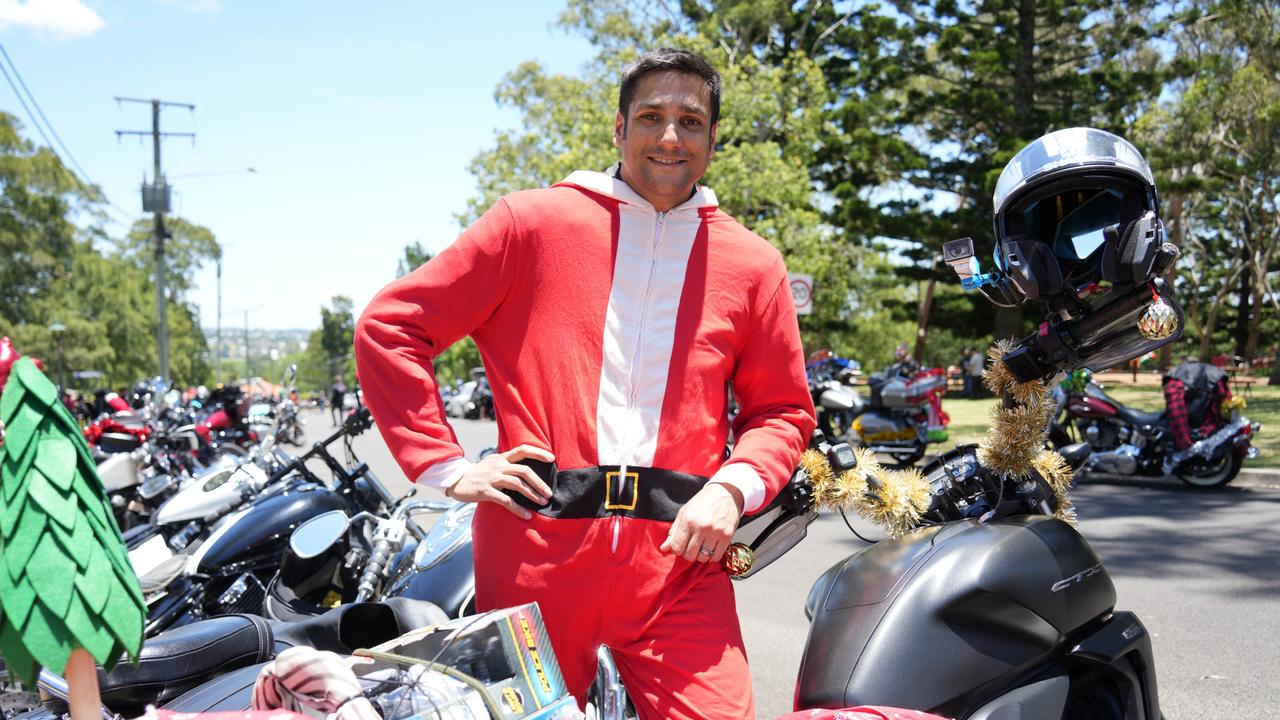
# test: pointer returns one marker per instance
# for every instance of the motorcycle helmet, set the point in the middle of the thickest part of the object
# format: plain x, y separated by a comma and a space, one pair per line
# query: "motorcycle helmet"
1077, 227
1075, 207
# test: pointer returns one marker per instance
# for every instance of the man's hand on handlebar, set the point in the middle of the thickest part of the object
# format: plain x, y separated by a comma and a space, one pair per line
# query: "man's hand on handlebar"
705, 525
486, 480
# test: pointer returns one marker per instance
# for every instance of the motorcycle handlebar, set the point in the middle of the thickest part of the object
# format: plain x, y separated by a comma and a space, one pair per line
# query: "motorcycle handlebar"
383, 493
358, 422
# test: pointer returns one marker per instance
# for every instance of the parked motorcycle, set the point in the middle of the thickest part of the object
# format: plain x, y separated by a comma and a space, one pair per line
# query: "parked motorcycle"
145, 453
901, 418
335, 559
1127, 441
279, 416
226, 571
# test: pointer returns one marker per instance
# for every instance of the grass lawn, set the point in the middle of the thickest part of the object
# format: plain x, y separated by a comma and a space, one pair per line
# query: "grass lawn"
970, 418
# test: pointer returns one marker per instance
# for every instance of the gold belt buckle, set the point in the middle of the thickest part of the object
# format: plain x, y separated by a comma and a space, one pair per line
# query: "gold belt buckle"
609, 478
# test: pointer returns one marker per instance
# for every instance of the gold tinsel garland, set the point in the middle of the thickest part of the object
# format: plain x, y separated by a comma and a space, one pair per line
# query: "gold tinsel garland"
1013, 447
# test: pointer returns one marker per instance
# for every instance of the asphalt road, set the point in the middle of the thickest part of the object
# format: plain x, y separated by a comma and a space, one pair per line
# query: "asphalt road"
1200, 568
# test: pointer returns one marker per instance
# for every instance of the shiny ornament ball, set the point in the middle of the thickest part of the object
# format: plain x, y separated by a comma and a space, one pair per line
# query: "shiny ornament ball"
1159, 321
738, 559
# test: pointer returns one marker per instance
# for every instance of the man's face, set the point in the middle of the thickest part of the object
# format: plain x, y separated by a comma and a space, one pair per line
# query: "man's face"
666, 139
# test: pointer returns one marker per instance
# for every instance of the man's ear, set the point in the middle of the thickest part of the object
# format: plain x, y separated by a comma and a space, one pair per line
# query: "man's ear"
714, 128
619, 129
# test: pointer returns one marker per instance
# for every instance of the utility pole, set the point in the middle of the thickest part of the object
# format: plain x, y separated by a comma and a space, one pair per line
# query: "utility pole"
155, 199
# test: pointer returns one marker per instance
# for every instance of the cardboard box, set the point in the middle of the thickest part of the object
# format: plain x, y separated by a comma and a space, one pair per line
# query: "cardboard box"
507, 651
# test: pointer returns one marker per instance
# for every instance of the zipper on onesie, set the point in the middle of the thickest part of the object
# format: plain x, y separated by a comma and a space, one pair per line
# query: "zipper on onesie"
659, 222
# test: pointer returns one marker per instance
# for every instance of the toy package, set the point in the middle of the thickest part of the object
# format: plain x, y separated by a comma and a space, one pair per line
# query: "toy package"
498, 664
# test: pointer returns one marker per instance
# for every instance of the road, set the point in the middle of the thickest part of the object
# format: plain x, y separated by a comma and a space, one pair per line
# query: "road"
1201, 569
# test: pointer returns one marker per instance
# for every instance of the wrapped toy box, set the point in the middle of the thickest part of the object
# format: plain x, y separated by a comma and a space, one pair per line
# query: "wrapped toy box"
508, 654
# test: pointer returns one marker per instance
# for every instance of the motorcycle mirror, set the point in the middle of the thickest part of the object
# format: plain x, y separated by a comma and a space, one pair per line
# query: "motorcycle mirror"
318, 534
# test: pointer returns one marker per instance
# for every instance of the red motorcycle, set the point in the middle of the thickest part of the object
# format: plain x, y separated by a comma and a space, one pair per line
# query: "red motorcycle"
1128, 441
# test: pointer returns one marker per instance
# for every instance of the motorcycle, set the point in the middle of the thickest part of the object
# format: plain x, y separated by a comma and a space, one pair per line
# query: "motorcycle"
336, 559
145, 453
278, 418
212, 665
1128, 441
902, 417
229, 553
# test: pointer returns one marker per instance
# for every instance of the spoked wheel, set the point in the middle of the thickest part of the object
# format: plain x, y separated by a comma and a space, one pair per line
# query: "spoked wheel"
14, 698
1210, 473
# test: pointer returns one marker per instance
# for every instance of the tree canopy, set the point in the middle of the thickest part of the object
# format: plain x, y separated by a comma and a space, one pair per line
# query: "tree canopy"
61, 266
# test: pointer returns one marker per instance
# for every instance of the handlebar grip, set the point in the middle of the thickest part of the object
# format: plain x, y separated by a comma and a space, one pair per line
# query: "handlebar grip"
373, 570
359, 421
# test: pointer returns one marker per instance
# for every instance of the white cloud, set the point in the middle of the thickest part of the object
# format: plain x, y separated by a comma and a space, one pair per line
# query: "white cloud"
59, 18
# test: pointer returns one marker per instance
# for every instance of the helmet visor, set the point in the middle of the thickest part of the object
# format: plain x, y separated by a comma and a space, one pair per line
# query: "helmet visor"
1080, 233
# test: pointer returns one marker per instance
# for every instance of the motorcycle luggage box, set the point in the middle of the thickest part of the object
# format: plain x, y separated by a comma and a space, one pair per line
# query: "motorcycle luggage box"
876, 427
925, 620
903, 392
119, 471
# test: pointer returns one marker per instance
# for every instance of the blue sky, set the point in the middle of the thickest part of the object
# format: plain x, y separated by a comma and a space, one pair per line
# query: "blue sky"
359, 118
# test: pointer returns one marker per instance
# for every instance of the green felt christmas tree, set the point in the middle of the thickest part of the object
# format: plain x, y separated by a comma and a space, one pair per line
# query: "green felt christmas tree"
65, 578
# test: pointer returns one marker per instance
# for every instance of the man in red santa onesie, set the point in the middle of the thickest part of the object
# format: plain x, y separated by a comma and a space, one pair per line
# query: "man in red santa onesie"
612, 312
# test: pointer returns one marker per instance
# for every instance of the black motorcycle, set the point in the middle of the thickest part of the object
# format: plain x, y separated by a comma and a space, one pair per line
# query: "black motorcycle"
335, 559
1128, 441
225, 564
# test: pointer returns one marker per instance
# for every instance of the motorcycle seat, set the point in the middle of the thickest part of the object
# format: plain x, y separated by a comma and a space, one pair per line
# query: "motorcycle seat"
201, 659
225, 693
178, 660
1075, 455
1140, 418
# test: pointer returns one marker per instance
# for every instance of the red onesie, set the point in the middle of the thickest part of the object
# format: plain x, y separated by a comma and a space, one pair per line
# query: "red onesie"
609, 333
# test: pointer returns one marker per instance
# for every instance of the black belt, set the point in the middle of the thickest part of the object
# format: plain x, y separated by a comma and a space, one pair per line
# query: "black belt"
604, 491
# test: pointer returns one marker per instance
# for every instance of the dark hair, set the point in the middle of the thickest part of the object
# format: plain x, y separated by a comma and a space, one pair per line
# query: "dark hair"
664, 59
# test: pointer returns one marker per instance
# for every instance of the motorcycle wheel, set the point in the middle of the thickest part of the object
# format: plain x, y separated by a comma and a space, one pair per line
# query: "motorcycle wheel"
1211, 475
14, 698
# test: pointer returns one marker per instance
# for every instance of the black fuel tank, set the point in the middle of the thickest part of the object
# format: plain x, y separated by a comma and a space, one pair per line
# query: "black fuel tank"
264, 524
920, 621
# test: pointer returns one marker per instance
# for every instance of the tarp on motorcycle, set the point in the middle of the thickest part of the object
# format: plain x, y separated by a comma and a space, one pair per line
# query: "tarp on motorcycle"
1194, 393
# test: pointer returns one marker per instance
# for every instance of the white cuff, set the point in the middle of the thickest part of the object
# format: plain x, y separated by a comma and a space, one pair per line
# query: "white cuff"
744, 477
445, 473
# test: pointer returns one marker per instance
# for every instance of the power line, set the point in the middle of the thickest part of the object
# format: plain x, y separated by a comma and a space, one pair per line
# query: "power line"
86, 184
40, 111
31, 116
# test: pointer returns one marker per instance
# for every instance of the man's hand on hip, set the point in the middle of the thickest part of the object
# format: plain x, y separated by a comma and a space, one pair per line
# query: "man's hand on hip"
486, 480
704, 526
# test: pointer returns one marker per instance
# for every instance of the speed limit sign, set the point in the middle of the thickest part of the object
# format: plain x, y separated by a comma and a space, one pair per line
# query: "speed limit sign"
802, 292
